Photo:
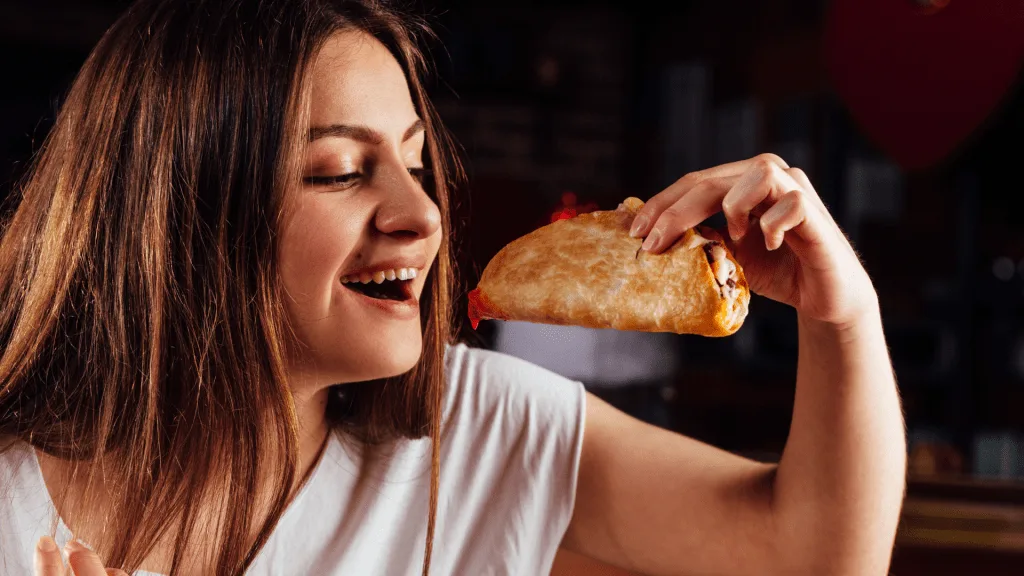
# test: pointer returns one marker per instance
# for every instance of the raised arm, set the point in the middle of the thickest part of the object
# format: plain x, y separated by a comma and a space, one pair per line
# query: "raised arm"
659, 503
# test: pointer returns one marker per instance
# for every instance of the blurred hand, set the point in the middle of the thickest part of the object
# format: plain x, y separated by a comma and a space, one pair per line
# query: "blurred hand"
791, 249
83, 562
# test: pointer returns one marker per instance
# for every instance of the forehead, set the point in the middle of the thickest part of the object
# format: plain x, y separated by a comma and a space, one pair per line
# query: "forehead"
356, 80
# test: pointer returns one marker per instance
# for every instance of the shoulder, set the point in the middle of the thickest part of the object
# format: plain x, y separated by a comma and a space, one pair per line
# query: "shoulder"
518, 428
502, 409
484, 380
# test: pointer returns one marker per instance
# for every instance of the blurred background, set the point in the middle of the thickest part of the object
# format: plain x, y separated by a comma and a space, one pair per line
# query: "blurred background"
908, 115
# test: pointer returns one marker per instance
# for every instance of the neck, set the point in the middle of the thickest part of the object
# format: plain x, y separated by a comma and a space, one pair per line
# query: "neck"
310, 410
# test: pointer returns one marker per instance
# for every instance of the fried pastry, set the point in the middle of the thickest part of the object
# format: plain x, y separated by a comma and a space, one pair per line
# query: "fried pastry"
588, 271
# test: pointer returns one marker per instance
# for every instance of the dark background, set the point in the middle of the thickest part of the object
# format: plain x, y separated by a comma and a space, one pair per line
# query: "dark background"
606, 100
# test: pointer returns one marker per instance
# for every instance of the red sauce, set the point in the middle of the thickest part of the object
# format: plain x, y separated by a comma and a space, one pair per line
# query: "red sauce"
476, 307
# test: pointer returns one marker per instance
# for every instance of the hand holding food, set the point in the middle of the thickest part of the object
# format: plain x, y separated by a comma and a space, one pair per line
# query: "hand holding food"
791, 249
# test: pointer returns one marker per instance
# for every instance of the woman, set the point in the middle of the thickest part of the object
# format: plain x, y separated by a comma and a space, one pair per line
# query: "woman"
225, 325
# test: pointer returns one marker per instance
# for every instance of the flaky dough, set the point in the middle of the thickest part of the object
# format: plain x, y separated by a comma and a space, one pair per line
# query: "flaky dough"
588, 271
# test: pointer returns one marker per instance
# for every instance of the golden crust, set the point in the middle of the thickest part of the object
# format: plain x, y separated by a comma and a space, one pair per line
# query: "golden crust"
588, 271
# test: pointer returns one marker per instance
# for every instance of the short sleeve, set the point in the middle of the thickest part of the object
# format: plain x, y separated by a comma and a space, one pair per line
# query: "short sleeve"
513, 436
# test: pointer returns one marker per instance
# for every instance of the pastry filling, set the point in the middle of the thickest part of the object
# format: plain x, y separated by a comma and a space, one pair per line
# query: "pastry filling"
726, 277
723, 268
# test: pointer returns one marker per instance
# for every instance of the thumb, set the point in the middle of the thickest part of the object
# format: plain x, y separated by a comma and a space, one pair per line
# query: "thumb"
48, 561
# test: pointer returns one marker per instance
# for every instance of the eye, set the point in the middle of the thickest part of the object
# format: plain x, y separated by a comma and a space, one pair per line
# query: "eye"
340, 181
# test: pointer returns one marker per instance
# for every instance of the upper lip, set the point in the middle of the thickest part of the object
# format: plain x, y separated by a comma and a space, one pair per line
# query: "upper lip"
389, 264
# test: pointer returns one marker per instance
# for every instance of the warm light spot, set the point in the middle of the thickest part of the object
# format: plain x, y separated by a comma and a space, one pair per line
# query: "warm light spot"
570, 209
564, 214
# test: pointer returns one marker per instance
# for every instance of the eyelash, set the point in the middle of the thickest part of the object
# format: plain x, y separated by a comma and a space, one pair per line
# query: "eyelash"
346, 180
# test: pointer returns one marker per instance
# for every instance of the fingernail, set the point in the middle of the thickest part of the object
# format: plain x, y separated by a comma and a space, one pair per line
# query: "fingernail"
639, 223
652, 241
75, 546
46, 544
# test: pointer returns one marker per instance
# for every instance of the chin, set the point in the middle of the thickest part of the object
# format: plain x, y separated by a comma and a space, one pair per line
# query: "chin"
400, 358
374, 356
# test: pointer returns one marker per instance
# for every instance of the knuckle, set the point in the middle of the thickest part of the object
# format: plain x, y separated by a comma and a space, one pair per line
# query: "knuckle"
773, 159
706, 183
797, 174
701, 187
765, 167
799, 200
729, 205
693, 178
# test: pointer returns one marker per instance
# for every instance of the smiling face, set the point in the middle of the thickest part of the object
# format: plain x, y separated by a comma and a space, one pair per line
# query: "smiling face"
361, 220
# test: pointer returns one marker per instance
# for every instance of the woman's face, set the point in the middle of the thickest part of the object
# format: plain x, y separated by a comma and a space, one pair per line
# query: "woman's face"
360, 222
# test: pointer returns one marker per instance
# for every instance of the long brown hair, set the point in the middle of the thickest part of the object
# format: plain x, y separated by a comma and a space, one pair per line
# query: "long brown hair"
141, 321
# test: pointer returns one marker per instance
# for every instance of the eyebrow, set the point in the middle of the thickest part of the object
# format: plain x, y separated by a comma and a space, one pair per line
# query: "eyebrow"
361, 133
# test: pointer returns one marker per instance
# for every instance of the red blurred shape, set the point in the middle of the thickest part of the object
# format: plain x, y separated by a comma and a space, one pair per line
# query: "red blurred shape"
920, 78
930, 6
564, 214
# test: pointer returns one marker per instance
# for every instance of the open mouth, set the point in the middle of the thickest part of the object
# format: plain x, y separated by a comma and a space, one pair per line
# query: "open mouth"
386, 290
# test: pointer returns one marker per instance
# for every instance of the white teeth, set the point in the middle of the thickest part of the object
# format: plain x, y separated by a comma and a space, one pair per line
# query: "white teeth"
381, 275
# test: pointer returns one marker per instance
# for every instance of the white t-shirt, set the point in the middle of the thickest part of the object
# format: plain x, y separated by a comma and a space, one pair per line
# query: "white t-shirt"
509, 463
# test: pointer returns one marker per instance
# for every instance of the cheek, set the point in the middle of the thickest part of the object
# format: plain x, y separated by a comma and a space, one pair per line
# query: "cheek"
314, 245
435, 246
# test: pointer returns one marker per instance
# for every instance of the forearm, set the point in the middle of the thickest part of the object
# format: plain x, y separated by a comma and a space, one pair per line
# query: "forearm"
840, 483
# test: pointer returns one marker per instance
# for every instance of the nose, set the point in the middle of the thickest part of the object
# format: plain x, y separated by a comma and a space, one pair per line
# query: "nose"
406, 211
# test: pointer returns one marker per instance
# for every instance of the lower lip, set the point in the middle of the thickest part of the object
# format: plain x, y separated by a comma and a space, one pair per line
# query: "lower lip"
402, 309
